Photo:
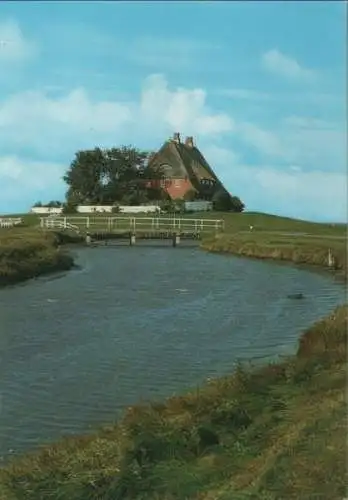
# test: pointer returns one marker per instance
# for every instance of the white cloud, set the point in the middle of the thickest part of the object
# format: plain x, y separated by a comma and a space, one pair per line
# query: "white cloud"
25, 181
306, 141
183, 110
280, 64
263, 140
297, 192
29, 173
13, 44
221, 156
307, 122
284, 190
44, 123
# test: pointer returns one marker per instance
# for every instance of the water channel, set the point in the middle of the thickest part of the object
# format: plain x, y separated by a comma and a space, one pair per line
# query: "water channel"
139, 323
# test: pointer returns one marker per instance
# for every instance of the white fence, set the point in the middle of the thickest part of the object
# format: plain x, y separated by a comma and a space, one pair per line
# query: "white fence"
55, 223
10, 221
115, 224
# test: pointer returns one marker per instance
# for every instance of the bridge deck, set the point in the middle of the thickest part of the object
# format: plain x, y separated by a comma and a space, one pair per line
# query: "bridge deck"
146, 234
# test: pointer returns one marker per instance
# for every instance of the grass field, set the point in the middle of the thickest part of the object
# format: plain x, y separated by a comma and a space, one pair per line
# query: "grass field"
234, 222
270, 433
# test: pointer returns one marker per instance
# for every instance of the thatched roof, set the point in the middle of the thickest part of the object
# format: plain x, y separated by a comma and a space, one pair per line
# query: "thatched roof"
179, 160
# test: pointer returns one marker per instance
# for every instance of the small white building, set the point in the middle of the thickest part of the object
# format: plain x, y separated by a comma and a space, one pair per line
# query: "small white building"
125, 209
47, 210
92, 209
198, 206
141, 209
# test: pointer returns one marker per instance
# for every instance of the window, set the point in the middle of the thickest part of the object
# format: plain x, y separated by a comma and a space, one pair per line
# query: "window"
166, 169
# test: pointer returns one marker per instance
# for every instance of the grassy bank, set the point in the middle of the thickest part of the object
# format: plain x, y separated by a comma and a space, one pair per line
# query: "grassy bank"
27, 253
299, 250
275, 432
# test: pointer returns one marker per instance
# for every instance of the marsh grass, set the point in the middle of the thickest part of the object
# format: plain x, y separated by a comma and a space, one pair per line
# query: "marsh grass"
26, 253
298, 250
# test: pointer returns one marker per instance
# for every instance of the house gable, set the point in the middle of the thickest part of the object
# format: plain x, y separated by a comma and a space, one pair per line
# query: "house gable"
185, 169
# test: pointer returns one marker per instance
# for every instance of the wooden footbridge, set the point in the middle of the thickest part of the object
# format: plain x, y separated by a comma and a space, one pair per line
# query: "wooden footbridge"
132, 228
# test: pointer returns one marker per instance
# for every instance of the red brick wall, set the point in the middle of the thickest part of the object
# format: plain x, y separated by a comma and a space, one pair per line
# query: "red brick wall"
176, 188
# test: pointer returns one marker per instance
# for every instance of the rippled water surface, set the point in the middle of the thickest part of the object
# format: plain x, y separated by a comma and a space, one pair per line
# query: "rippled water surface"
139, 323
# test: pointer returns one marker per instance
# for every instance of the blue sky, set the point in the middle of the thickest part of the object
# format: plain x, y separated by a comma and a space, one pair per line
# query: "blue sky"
260, 86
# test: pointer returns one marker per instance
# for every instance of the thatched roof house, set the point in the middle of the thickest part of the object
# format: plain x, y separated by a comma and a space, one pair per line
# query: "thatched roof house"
186, 173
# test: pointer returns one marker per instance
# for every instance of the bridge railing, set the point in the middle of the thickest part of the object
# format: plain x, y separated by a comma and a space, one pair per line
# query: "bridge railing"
134, 224
55, 223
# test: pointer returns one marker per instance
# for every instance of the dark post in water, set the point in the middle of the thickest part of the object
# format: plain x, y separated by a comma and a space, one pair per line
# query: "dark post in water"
132, 239
176, 239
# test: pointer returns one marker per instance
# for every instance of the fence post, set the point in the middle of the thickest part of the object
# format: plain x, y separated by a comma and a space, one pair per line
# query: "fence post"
87, 222
64, 222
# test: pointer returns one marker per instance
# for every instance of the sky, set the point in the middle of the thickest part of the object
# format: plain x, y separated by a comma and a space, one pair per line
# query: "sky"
259, 85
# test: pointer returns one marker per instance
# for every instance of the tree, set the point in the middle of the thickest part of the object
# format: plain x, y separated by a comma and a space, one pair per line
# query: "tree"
190, 195
85, 177
236, 204
108, 176
54, 204
69, 208
172, 206
224, 202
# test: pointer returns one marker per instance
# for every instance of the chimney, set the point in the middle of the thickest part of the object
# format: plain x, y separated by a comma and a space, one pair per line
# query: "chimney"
189, 142
176, 137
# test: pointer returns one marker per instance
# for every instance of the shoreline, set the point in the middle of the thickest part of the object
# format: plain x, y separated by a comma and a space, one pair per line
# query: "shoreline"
338, 275
280, 247
26, 255
316, 257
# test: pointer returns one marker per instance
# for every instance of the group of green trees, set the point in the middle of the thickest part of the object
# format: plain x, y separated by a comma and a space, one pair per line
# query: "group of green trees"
109, 176
119, 176
50, 204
